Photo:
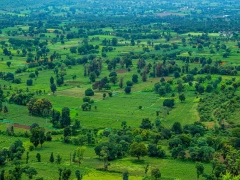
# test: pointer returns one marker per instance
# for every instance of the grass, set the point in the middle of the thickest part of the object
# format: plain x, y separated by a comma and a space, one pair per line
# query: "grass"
111, 111
179, 169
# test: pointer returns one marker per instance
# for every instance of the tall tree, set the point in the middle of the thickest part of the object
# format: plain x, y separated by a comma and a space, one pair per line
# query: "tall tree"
138, 150
37, 136
51, 159
53, 88
65, 120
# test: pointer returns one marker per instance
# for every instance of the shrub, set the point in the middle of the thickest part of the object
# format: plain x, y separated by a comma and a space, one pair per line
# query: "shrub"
29, 82
168, 103
129, 83
127, 89
89, 92
86, 99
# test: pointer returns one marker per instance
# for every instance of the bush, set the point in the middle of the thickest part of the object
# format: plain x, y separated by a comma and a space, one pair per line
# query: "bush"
17, 80
31, 148
129, 83
29, 82
86, 99
32, 75
127, 89
168, 103
110, 94
89, 92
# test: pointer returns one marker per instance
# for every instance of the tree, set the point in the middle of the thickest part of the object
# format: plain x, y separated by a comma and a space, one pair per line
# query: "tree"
32, 75
51, 158
79, 153
58, 159
125, 175
51, 80
92, 76
27, 158
73, 50
146, 124
53, 88
200, 169
38, 156
89, 92
135, 78
200, 89
162, 91
113, 79
121, 82
138, 150
65, 120
156, 173
104, 154
177, 128
36, 72
5, 109
127, 89
168, 102
30, 172
144, 75
66, 173
182, 97
37, 136
78, 175
29, 82
38, 107
114, 41
9, 64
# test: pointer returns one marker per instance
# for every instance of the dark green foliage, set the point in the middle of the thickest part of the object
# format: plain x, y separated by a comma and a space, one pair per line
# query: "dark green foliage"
9, 77
182, 97
162, 91
53, 88
200, 169
30, 171
135, 78
166, 133
38, 156
39, 107
9, 63
66, 173
89, 92
138, 150
65, 120
156, 151
127, 89
55, 118
51, 80
168, 103
16, 150
51, 158
86, 106
78, 175
156, 173
146, 124
193, 129
37, 136
66, 134
21, 98
177, 128
125, 175
112, 150
29, 82
129, 83
32, 75
58, 159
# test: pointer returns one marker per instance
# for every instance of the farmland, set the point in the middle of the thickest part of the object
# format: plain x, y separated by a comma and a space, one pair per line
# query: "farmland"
94, 91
